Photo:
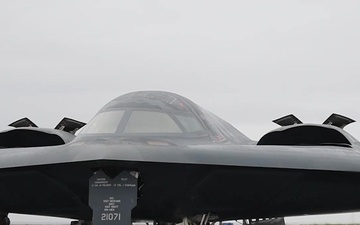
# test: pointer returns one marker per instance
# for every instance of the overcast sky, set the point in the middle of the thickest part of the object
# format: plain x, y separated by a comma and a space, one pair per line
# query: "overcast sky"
249, 62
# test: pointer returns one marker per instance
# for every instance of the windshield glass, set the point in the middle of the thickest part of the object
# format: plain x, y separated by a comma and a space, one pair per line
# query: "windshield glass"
190, 124
105, 122
151, 122
138, 122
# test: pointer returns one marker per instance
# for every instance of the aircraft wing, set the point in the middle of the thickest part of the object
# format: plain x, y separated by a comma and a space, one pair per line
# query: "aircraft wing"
187, 163
275, 180
290, 157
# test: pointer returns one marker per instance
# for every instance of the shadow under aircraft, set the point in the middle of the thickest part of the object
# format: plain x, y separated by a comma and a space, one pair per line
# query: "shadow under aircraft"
157, 156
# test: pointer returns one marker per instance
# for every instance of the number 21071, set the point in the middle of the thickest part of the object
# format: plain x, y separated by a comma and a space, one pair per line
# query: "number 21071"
110, 216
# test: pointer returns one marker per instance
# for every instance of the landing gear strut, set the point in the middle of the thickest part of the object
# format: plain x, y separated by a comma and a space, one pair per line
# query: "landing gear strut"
204, 219
4, 219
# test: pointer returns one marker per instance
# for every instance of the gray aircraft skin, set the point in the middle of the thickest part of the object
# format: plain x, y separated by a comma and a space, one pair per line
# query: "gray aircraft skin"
190, 163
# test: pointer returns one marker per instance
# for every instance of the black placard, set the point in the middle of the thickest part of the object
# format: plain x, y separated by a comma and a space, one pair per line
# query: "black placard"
112, 199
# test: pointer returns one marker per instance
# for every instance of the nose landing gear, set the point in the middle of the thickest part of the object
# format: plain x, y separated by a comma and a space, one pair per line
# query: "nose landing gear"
4, 219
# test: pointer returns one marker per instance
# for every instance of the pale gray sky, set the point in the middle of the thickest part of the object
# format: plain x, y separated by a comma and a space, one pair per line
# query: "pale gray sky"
249, 62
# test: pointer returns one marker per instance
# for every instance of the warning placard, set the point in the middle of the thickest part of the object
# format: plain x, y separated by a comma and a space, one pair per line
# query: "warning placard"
112, 199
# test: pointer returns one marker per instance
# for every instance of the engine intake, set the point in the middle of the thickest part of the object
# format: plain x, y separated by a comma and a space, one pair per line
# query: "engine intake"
307, 135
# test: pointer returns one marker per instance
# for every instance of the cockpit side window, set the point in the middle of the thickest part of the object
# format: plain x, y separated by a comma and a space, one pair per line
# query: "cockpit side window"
150, 122
221, 130
105, 122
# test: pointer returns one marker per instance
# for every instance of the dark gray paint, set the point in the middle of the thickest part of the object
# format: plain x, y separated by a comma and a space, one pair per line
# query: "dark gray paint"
204, 164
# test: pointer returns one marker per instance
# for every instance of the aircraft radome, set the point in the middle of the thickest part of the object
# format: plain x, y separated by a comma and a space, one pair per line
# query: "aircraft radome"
157, 156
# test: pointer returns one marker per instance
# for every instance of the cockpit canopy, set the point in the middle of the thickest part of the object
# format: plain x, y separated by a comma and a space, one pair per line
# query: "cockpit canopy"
144, 122
161, 114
